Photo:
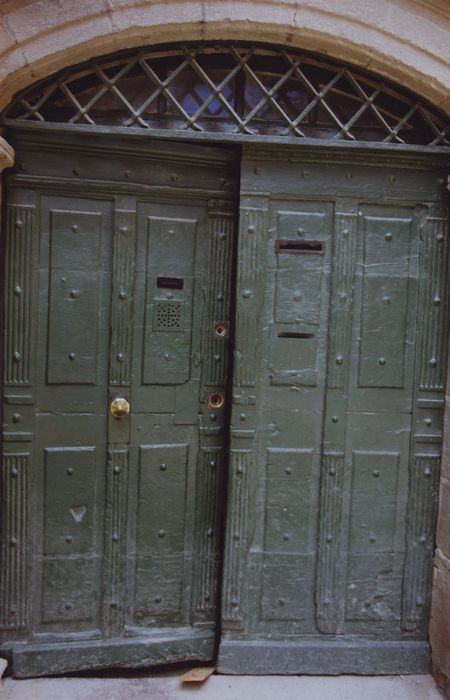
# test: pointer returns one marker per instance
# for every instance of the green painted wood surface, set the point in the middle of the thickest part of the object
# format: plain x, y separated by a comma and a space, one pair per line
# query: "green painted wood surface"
118, 521
111, 529
333, 489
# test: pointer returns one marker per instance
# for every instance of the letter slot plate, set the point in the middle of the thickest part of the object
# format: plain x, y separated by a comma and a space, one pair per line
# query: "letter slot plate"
300, 246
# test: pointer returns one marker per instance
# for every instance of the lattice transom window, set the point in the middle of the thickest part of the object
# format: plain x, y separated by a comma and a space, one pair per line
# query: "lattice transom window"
234, 89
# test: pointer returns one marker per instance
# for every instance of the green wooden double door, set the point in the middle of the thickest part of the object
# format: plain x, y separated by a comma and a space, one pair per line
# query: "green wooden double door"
222, 407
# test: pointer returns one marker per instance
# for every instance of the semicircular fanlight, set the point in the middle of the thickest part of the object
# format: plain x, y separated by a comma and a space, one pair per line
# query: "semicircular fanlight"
233, 88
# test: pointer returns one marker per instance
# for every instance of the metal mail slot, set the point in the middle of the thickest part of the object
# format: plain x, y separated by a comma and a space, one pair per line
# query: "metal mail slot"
300, 246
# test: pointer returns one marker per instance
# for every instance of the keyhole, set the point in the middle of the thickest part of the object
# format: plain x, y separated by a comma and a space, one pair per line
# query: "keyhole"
221, 330
216, 400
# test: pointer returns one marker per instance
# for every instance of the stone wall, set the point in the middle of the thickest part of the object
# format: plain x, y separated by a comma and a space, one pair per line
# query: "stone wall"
440, 612
407, 41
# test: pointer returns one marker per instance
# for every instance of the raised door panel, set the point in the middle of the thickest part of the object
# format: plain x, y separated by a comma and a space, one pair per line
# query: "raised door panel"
183, 270
379, 407
165, 395
57, 275
289, 528
70, 566
169, 295
386, 281
160, 533
73, 343
70, 569
75, 245
373, 589
384, 303
299, 249
283, 291
75, 272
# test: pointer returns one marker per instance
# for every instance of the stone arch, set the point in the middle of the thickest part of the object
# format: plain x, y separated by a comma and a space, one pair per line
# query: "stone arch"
40, 37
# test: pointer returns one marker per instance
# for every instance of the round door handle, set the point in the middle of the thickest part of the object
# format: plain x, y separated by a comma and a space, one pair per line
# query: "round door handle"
120, 407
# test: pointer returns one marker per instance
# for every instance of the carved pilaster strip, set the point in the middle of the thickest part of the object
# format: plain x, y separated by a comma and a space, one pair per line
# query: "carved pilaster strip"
420, 529
19, 295
115, 529
342, 299
236, 537
250, 289
122, 297
433, 305
215, 351
13, 573
329, 601
207, 528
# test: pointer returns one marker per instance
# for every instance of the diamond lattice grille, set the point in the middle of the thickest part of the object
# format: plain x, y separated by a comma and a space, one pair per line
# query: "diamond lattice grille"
234, 89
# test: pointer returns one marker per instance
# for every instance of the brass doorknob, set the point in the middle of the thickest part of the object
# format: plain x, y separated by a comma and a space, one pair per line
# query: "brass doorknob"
120, 407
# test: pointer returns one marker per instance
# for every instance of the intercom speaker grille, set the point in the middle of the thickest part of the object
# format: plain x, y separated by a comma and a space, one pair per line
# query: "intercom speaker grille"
168, 316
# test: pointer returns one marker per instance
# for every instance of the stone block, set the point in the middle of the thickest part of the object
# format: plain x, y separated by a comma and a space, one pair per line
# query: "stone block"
44, 16
440, 616
443, 530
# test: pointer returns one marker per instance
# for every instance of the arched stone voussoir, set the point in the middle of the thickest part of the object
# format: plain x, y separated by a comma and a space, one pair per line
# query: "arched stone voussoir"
406, 41
6, 155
